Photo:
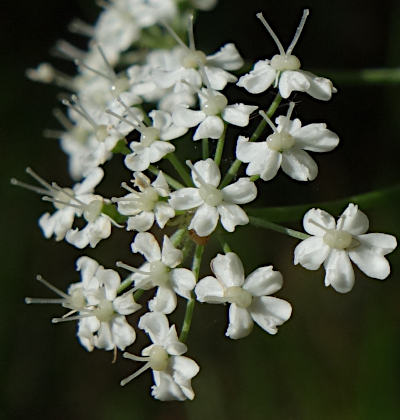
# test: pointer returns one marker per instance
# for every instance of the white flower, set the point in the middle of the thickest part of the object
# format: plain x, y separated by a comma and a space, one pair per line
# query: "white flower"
214, 111
335, 244
248, 297
172, 372
212, 203
144, 206
286, 148
285, 68
160, 271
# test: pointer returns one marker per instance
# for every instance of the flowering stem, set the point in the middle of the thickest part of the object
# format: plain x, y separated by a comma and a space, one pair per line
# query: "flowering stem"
183, 173
232, 171
178, 235
137, 295
176, 185
255, 221
124, 285
220, 147
205, 152
365, 76
224, 245
254, 178
382, 197
111, 211
198, 254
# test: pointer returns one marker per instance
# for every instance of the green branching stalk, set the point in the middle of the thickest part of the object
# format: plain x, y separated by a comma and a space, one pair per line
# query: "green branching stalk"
111, 211
178, 236
180, 169
172, 182
198, 255
205, 150
255, 221
220, 147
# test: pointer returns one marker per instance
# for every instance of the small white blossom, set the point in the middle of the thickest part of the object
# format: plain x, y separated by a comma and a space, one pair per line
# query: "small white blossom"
248, 298
172, 372
335, 244
286, 148
212, 203
284, 71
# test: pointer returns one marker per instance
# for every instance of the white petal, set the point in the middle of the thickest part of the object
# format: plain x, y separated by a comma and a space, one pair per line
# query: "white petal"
291, 80
141, 222
209, 172
316, 138
164, 301
156, 326
125, 304
182, 281
240, 322
269, 312
218, 77
138, 162
228, 269
272, 163
231, 216
263, 281
227, 57
240, 192
339, 272
159, 149
110, 280
92, 179
369, 255
147, 245
311, 253
317, 222
78, 238
123, 334
161, 119
166, 389
163, 212
184, 370
212, 127
299, 165
88, 268
184, 117
172, 344
320, 87
104, 339
204, 220
248, 151
238, 114
185, 199
209, 290
353, 220
161, 185
259, 79
170, 255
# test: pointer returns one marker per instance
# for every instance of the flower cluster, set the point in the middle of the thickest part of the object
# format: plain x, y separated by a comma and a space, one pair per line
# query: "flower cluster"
142, 90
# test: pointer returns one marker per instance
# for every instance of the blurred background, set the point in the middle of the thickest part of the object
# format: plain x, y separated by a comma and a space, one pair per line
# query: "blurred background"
337, 358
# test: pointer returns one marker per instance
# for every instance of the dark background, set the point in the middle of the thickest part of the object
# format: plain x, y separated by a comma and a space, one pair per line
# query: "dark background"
337, 358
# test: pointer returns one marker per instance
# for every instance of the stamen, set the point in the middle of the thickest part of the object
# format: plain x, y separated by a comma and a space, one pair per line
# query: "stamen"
39, 179
80, 27
37, 190
134, 375
191, 166
299, 29
272, 33
29, 300
62, 119
190, 33
267, 119
71, 318
290, 110
67, 51
133, 269
318, 225
53, 134
69, 194
64, 203
130, 189
51, 287
174, 35
80, 63
131, 356
129, 110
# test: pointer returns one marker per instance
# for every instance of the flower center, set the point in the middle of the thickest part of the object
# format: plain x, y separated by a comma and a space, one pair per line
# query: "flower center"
159, 273
211, 195
281, 62
239, 296
101, 132
338, 239
193, 59
61, 197
149, 135
92, 210
76, 300
104, 311
148, 199
280, 141
214, 104
158, 358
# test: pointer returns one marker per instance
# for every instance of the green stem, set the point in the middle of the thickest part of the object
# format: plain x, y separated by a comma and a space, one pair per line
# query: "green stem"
198, 255
176, 185
124, 285
182, 171
232, 171
369, 200
205, 151
111, 211
178, 235
138, 294
363, 76
224, 245
220, 147
255, 221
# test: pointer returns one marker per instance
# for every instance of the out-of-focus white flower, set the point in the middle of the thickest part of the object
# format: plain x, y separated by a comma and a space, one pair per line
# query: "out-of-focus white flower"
212, 203
283, 70
335, 244
160, 271
286, 148
172, 372
144, 206
248, 297
214, 111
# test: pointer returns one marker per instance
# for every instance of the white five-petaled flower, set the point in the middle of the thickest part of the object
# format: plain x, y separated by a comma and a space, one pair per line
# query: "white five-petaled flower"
214, 111
212, 203
248, 296
286, 148
144, 206
160, 271
335, 244
284, 71
172, 372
